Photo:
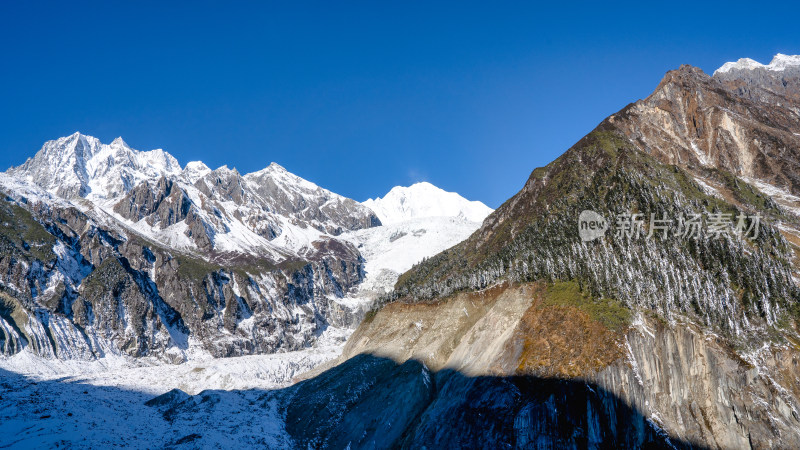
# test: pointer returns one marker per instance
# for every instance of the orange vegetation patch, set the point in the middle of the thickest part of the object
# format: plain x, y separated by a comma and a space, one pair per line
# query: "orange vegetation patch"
563, 341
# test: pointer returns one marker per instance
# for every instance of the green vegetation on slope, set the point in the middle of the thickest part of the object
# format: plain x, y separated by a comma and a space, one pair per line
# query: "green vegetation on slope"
20, 233
613, 314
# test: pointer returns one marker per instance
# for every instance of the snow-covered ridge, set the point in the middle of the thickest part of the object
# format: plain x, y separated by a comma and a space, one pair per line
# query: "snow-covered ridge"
779, 63
422, 200
79, 165
262, 212
238, 213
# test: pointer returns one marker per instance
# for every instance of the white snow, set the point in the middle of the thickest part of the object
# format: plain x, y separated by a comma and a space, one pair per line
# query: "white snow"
195, 170
425, 200
779, 63
707, 188
107, 170
284, 179
783, 197
392, 249
96, 176
700, 155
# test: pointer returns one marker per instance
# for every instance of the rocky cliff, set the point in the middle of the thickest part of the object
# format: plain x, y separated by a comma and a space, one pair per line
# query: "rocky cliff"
669, 383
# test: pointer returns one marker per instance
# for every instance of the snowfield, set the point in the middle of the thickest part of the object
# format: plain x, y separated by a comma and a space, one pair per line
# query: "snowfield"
47, 403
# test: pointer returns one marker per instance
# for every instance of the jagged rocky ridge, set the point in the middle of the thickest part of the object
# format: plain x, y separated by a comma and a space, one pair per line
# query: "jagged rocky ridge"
777, 83
125, 252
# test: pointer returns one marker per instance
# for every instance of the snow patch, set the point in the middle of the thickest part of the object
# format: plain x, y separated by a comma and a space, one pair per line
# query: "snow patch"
425, 200
779, 63
783, 197
707, 188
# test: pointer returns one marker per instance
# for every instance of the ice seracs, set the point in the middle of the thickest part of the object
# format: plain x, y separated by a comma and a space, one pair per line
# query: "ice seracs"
422, 200
779, 63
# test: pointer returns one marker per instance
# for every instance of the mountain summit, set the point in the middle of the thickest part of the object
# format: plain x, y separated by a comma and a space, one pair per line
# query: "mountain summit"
82, 166
422, 200
779, 63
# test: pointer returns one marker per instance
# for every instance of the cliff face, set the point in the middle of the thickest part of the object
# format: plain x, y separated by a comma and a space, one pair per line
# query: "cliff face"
404, 405
499, 364
75, 289
696, 121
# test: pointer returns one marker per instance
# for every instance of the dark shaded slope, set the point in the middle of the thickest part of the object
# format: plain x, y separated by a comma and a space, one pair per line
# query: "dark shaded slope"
372, 402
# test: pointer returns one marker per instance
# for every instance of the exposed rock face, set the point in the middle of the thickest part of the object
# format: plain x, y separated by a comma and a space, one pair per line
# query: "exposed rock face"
164, 204
665, 381
309, 203
693, 120
694, 386
777, 83
72, 289
124, 252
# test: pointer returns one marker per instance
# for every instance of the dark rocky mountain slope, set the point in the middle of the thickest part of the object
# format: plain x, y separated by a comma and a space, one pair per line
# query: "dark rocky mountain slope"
686, 308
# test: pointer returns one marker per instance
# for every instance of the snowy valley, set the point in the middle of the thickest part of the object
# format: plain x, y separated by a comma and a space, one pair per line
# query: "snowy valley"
108, 196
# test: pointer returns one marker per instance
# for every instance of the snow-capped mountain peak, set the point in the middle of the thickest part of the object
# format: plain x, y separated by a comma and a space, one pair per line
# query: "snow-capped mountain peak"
119, 142
422, 200
81, 166
780, 62
195, 170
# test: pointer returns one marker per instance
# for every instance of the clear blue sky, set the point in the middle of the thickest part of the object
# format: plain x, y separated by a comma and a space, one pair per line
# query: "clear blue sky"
358, 96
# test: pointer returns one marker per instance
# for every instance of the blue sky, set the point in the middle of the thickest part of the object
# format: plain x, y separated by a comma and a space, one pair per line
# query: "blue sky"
358, 96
